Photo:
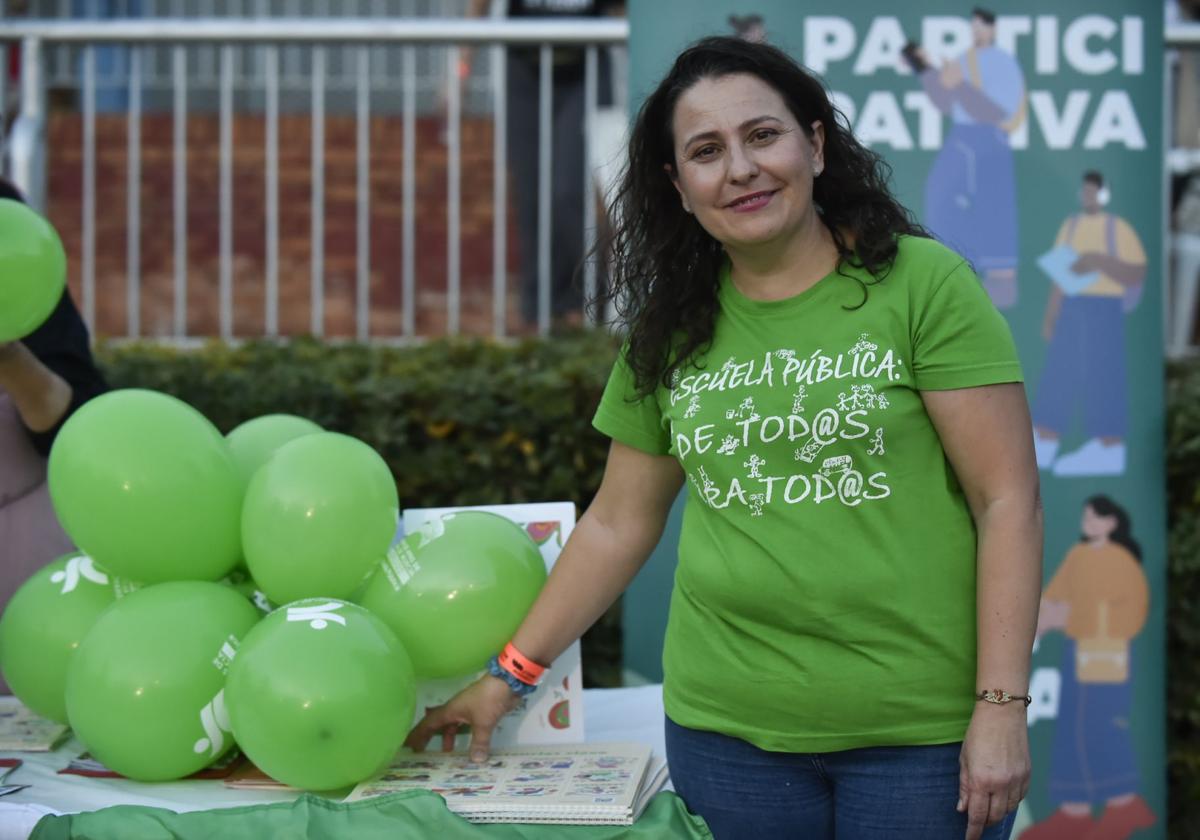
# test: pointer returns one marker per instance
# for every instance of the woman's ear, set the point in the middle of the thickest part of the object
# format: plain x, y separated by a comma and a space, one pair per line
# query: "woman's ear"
817, 139
687, 208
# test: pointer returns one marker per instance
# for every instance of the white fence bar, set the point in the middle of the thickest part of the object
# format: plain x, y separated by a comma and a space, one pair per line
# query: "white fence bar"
271, 59
179, 188
225, 221
317, 326
363, 288
591, 71
26, 158
3, 101
408, 244
88, 222
545, 170
1183, 35
499, 190
133, 199
327, 31
453, 192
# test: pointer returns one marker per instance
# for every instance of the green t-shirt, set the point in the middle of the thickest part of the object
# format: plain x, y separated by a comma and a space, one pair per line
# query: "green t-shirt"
825, 593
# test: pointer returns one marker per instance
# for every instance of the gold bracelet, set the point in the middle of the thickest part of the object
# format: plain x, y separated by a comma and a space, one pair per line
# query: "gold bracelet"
999, 696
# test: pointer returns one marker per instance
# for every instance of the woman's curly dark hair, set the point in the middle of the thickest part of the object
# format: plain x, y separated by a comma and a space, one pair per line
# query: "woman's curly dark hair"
664, 266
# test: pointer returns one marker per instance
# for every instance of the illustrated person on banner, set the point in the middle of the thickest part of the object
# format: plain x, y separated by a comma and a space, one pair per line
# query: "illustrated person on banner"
859, 568
1097, 267
1099, 598
970, 194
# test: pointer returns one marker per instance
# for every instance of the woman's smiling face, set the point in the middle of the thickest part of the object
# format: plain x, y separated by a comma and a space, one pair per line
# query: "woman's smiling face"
743, 164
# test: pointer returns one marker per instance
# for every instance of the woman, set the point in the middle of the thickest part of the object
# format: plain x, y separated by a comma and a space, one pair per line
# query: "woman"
43, 378
1099, 598
844, 403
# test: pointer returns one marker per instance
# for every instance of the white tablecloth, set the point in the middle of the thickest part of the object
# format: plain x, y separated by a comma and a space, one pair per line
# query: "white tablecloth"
615, 714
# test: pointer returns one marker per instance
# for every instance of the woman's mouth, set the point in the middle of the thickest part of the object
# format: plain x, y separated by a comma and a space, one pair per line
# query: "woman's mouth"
753, 201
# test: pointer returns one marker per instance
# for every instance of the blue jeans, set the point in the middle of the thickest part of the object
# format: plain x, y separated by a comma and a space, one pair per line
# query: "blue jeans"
898, 793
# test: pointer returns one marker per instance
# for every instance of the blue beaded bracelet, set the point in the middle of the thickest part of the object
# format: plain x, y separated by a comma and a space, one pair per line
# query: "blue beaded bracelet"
519, 688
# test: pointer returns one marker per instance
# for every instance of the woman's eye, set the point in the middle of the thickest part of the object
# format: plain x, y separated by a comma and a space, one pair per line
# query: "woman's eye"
704, 152
764, 134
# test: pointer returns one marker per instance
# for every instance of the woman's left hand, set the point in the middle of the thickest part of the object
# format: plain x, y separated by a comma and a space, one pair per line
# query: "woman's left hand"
994, 774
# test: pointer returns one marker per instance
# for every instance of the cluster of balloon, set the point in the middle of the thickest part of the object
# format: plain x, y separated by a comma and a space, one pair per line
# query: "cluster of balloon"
33, 270
133, 640
160, 668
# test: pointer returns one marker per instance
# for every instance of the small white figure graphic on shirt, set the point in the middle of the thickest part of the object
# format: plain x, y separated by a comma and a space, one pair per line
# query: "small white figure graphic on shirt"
757, 500
877, 443
745, 411
861, 398
864, 344
798, 401
753, 465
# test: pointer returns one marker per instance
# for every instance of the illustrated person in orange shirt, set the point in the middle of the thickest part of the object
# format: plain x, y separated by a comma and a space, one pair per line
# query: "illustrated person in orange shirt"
1099, 598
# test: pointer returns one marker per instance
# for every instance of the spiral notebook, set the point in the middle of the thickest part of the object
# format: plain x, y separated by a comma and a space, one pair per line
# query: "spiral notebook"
597, 784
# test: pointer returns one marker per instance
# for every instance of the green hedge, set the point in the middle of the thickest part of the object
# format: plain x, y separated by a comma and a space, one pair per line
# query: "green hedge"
458, 422
1183, 597
475, 422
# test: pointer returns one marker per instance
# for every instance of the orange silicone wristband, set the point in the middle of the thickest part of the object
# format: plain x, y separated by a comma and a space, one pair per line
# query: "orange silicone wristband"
520, 665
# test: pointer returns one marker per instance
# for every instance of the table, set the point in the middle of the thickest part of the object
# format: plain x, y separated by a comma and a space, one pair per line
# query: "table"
613, 714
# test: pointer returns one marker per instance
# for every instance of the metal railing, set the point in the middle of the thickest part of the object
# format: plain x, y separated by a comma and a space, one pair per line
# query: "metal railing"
27, 153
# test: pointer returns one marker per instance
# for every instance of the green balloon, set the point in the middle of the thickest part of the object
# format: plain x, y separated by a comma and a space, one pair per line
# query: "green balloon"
456, 590
43, 624
254, 441
33, 270
318, 516
321, 694
146, 486
145, 689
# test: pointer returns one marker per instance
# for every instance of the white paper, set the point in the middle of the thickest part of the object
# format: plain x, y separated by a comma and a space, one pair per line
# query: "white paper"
554, 713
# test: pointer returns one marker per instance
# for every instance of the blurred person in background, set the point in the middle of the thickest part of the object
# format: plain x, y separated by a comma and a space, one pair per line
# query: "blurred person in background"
568, 149
44, 378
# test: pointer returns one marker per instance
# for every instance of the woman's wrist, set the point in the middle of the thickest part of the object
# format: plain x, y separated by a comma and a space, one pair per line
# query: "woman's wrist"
517, 687
521, 673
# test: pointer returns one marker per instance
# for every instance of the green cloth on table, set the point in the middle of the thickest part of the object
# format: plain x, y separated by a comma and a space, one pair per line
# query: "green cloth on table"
416, 814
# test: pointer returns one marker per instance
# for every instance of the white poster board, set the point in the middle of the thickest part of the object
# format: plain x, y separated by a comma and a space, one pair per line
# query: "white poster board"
554, 713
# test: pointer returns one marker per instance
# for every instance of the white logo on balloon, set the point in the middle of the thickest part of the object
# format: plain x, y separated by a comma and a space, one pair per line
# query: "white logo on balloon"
215, 721
318, 615
77, 567
432, 529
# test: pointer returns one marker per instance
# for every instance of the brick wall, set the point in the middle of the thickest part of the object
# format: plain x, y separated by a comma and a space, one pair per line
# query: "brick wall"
65, 131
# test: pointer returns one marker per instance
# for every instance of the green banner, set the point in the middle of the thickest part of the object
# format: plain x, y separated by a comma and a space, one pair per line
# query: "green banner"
1028, 136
